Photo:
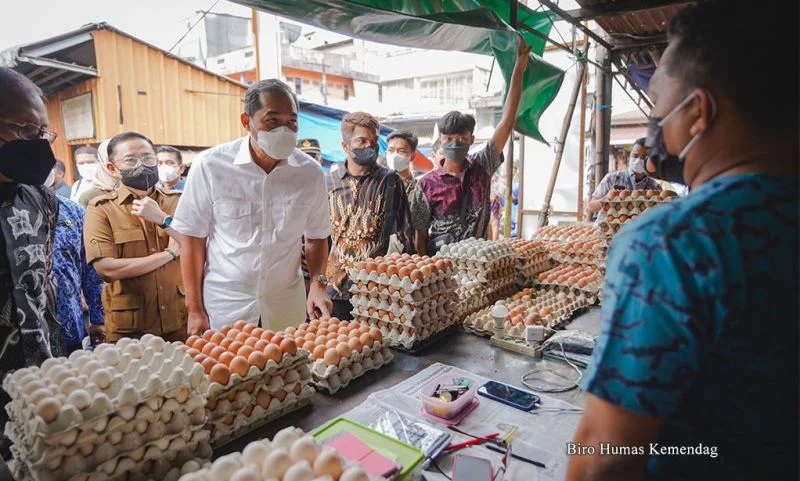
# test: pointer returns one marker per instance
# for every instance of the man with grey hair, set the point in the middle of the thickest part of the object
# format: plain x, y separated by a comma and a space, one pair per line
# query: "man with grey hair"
29, 331
246, 206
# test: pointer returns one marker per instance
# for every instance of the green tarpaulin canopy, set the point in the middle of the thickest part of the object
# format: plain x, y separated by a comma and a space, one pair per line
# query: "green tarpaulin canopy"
477, 26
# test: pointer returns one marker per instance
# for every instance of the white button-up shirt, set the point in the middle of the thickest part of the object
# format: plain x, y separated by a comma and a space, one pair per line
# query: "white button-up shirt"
253, 222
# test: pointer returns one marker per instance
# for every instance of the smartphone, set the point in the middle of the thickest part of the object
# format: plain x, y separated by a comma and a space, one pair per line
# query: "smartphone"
512, 396
470, 468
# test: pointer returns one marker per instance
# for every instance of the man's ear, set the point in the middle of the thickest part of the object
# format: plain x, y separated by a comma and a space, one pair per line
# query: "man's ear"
245, 119
110, 167
181, 169
702, 110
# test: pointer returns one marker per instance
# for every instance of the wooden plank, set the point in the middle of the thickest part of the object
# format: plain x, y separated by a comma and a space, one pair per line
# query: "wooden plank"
620, 8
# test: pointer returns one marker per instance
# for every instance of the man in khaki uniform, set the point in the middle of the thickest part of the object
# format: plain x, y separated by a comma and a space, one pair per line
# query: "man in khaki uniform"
130, 242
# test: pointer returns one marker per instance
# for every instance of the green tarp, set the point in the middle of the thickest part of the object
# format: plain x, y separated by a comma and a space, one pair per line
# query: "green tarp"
477, 26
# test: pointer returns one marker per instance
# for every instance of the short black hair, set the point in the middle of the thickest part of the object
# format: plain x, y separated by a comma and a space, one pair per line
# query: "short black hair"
456, 123
412, 139
61, 167
640, 142
123, 137
252, 98
14, 85
172, 150
701, 37
86, 149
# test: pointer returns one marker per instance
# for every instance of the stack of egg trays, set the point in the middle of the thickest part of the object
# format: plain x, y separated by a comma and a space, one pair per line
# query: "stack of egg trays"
121, 407
471, 297
399, 312
245, 403
563, 311
591, 293
332, 378
404, 287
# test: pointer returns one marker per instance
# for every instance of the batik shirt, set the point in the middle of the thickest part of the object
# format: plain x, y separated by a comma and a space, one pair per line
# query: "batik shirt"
437, 201
700, 328
74, 276
365, 212
622, 179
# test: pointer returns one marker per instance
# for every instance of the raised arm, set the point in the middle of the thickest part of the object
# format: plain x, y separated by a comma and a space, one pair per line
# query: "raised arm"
503, 130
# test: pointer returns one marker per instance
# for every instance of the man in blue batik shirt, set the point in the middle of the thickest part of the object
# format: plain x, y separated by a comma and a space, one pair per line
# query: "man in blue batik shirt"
695, 376
75, 277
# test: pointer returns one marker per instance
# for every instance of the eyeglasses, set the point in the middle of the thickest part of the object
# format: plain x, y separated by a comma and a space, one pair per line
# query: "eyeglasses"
29, 131
134, 162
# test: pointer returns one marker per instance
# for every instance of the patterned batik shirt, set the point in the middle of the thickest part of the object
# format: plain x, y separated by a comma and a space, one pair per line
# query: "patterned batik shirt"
436, 204
365, 212
74, 276
621, 179
700, 328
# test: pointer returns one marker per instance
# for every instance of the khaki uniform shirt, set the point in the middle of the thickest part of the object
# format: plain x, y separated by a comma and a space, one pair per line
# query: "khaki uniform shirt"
152, 303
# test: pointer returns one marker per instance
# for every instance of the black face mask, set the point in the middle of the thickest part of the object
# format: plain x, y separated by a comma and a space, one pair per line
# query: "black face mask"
27, 161
140, 178
668, 167
365, 156
455, 151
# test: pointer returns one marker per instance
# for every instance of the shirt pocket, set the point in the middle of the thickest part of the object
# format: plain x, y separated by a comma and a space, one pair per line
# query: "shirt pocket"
126, 312
234, 218
291, 218
130, 242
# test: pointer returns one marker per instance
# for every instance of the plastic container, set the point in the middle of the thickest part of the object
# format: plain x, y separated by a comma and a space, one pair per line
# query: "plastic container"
443, 409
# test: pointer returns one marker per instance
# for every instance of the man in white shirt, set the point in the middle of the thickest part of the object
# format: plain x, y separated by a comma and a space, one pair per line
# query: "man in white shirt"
246, 206
87, 163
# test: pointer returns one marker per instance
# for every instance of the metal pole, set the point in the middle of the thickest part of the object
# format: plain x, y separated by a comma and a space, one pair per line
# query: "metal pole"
521, 193
602, 118
562, 140
582, 149
509, 186
254, 23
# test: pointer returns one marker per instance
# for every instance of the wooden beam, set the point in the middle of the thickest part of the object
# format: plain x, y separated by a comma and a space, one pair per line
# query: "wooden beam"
621, 8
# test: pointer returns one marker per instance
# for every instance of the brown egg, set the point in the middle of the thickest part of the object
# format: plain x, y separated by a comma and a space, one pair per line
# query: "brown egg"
376, 334
416, 275
257, 359
263, 399
319, 351
280, 395
226, 343
217, 352
191, 340
220, 373
225, 329
624, 194
217, 338
354, 344
248, 328
366, 339
240, 366
392, 270
273, 352
403, 272
257, 332
309, 346
312, 329
192, 352
434, 270
207, 364
267, 335
200, 344
199, 358
242, 337
297, 388
331, 343
343, 349
226, 358
245, 351
233, 333
382, 268
288, 346
207, 335
211, 404
251, 341
235, 346
370, 266
426, 271
239, 324
278, 339
331, 357
260, 345
341, 338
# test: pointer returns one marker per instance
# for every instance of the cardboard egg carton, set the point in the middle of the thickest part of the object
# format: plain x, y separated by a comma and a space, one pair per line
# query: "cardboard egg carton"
362, 276
258, 376
404, 336
82, 391
566, 233
638, 195
428, 313
400, 309
412, 297
591, 284
478, 251
332, 378
160, 459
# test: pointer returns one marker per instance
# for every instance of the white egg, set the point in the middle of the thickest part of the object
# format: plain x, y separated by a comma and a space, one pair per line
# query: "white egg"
48, 409
110, 356
91, 367
79, 398
299, 472
286, 437
39, 394
245, 474
224, 467
328, 463
255, 453
136, 350
276, 463
156, 343
354, 473
304, 448
68, 385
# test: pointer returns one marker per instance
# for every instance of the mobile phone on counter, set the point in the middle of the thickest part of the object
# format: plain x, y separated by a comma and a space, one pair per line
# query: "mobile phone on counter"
470, 468
516, 398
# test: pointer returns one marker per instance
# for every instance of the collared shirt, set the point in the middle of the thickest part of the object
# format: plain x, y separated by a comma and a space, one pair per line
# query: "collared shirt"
63, 190
622, 179
436, 205
151, 303
79, 188
253, 222
179, 185
409, 185
365, 212
29, 329
700, 328
74, 276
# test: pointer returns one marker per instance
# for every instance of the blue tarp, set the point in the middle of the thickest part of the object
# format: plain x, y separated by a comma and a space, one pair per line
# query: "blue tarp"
324, 124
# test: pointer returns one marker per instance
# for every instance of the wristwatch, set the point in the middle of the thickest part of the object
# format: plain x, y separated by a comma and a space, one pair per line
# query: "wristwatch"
322, 279
167, 222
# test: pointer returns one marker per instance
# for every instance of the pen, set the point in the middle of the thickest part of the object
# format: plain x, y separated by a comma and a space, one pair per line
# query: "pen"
471, 442
515, 456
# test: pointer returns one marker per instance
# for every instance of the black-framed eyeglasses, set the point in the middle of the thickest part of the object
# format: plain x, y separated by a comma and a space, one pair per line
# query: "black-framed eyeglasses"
29, 131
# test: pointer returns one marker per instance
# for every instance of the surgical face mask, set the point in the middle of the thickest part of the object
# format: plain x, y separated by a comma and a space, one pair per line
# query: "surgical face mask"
637, 165
670, 167
51, 179
397, 162
455, 151
141, 178
167, 173
88, 170
365, 156
27, 161
278, 143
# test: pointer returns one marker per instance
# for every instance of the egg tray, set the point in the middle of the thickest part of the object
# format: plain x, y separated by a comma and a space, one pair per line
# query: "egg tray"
320, 369
362, 276
560, 234
593, 297
434, 313
594, 260
222, 434
341, 379
399, 336
408, 311
490, 276
272, 368
414, 297
475, 265
609, 229
422, 338
127, 388
148, 427
559, 318
238, 399
180, 447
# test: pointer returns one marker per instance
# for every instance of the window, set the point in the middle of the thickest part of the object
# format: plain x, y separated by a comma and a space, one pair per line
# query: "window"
347, 92
249, 54
448, 90
220, 60
306, 82
298, 86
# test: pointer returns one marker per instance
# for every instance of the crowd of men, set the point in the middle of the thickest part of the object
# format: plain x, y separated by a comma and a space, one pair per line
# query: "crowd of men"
700, 336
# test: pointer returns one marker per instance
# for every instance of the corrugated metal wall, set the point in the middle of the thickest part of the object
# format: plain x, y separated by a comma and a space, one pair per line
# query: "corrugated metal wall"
142, 89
